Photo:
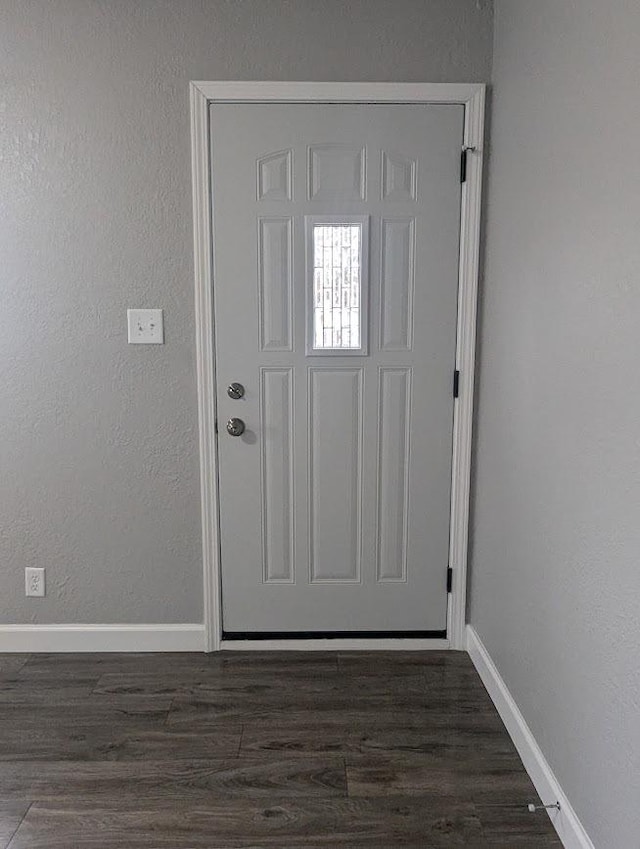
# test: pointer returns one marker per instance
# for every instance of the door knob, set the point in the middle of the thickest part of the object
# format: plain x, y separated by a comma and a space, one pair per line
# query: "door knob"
235, 427
235, 391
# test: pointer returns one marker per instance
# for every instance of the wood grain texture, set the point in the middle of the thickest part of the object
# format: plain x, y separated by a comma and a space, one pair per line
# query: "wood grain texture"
504, 827
247, 823
200, 780
128, 741
281, 688
72, 666
11, 815
11, 664
472, 775
255, 750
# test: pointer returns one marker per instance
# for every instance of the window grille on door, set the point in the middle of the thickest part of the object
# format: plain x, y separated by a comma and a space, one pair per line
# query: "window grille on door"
336, 284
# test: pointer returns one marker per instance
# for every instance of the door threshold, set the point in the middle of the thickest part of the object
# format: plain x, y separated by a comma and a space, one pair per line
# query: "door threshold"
333, 635
350, 641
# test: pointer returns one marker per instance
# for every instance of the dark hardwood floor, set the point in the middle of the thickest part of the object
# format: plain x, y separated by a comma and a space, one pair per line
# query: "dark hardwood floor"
257, 750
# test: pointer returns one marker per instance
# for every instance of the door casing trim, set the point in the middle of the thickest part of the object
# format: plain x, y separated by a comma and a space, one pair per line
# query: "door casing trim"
472, 97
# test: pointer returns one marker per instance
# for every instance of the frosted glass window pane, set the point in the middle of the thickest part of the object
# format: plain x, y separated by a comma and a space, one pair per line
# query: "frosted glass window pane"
337, 281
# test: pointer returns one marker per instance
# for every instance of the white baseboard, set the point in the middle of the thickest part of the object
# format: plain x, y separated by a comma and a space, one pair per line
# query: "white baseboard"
101, 638
565, 821
338, 644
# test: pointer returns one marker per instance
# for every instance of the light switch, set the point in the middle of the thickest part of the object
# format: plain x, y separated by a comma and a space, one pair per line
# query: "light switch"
146, 327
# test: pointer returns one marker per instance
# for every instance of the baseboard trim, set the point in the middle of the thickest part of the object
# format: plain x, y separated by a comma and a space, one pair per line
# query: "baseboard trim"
101, 638
565, 821
338, 644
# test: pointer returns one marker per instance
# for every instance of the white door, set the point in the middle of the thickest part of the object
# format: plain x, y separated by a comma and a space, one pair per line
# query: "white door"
336, 239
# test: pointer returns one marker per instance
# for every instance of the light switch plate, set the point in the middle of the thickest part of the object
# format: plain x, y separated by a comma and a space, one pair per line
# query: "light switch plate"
146, 327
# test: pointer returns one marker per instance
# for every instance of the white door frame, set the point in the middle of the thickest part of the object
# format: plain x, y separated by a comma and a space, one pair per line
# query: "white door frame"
469, 95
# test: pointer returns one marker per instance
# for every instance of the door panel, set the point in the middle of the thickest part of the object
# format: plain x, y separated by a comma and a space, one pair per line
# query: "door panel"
275, 281
277, 487
392, 491
334, 507
335, 475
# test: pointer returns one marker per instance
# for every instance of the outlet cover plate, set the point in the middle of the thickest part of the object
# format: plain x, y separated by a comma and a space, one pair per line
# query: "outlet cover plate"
34, 581
146, 327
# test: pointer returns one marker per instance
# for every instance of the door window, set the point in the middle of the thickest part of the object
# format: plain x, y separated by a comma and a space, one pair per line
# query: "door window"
337, 249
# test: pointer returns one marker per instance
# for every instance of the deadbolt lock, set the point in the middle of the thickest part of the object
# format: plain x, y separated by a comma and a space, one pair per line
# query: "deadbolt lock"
235, 391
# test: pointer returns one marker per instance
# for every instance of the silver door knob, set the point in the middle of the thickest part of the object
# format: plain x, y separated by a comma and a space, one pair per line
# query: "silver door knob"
235, 427
235, 391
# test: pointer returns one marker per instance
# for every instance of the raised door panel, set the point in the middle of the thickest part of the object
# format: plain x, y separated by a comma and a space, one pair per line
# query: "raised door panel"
399, 177
397, 245
277, 484
274, 176
275, 284
335, 474
337, 172
394, 429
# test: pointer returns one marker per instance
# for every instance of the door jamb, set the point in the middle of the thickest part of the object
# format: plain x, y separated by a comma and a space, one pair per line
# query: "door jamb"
469, 95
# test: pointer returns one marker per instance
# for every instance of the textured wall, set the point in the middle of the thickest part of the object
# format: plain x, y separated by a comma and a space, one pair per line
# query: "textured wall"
556, 538
98, 448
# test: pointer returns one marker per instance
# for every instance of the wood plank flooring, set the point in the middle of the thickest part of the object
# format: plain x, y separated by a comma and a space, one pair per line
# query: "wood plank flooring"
262, 749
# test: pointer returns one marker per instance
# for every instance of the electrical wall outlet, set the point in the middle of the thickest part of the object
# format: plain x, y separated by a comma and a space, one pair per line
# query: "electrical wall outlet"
146, 327
34, 581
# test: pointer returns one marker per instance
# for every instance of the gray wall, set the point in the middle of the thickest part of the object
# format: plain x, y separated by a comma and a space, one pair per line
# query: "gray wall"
98, 440
556, 535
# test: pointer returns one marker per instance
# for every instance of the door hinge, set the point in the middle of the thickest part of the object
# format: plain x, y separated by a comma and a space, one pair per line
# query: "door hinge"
463, 165
456, 383
449, 579
464, 153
